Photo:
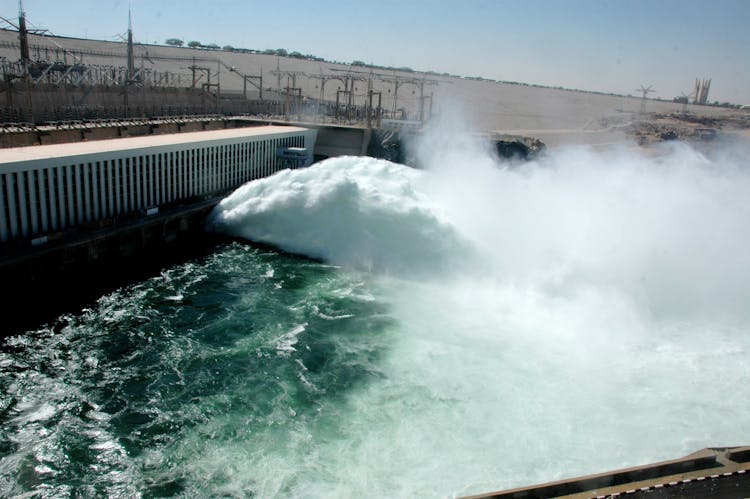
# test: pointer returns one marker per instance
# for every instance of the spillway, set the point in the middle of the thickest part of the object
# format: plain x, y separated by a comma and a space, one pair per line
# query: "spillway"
474, 326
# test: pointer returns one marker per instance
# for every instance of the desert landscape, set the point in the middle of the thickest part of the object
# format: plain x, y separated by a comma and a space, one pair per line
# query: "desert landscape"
553, 115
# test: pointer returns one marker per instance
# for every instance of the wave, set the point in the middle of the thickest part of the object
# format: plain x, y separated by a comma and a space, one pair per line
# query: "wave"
358, 212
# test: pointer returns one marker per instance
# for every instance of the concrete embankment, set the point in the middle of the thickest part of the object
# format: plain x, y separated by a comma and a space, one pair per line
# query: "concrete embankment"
714, 472
40, 283
77, 219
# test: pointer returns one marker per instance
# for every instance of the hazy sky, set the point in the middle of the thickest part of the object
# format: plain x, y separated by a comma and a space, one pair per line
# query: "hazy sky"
606, 45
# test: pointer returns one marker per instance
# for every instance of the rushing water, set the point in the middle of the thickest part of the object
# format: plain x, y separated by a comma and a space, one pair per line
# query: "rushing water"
471, 327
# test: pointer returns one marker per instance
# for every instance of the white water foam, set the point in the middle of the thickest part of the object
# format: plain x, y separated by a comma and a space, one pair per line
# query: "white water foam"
352, 211
597, 318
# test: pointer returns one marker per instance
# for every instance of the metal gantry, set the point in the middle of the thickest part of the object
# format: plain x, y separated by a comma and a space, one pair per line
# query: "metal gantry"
324, 78
644, 90
361, 95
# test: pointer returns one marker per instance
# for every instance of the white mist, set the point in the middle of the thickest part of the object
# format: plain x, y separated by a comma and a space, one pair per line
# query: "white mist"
571, 315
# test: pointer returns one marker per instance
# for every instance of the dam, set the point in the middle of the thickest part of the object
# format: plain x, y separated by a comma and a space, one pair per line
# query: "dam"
357, 328
185, 338
86, 215
47, 189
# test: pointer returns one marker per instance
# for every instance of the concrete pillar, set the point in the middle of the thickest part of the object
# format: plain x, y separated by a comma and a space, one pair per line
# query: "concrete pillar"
221, 165
102, 174
131, 185
245, 161
210, 173
189, 172
22, 207
70, 194
42, 200
167, 177
116, 167
139, 174
180, 183
159, 179
231, 160
61, 175
214, 169
201, 170
10, 180
263, 162
125, 179
276, 143
255, 153
153, 181
3, 215
33, 206
251, 172
263, 158
78, 184
96, 174
237, 164
51, 175
87, 190
225, 161
110, 189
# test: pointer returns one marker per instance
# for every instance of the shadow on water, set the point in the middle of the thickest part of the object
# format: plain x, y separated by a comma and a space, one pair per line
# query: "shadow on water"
71, 289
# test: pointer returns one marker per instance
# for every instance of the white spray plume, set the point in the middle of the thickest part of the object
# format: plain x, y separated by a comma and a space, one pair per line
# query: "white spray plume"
358, 212
582, 301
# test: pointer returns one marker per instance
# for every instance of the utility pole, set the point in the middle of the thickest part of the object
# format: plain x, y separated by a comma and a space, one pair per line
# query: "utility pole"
323, 80
377, 109
399, 81
195, 69
370, 93
245, 79
278, 79
250, 77
131, 54
645, 90
421, 101
23, 36
368, 106
289, 91
349, 79
293, 88
129, 76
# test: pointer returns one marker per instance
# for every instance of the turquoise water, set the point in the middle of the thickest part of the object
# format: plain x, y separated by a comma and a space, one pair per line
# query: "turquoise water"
450, 331
245, 347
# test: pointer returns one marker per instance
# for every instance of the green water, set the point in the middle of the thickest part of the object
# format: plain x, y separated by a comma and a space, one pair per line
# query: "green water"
238, 349
476, 328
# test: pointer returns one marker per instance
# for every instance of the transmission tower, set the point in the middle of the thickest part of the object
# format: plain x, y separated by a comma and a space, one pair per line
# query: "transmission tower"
324, 78
645, 91
349, 78
292, 93
685, 98
398, 81
130, 76
23, 38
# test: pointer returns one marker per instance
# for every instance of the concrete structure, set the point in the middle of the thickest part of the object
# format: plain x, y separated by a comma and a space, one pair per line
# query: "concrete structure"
714, 472
47, 189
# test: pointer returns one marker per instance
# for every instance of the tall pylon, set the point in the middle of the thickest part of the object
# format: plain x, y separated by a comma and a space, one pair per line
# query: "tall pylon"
23, 36
645, 91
